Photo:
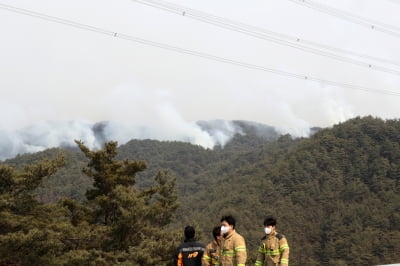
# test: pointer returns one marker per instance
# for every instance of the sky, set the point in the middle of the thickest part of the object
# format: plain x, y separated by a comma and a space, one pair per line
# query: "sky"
58, 80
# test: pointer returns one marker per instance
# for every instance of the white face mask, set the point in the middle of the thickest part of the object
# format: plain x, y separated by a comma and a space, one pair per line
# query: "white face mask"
267, 230
224, 229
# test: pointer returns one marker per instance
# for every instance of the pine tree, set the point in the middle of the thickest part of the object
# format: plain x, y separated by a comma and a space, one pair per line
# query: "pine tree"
31, 233
119, 224
134, 221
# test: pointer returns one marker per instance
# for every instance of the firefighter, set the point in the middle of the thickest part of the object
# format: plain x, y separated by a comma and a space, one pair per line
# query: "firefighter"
274, 250
233, 247
190, 252
211, 255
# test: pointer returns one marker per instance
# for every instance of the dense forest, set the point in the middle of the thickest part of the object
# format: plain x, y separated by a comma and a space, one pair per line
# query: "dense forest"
336, 196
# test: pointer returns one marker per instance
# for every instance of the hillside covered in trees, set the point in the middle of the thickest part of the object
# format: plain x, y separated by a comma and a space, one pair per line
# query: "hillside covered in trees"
336, 195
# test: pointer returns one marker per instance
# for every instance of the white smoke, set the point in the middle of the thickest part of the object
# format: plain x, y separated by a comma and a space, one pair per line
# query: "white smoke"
51, 134
44, 135
132, 111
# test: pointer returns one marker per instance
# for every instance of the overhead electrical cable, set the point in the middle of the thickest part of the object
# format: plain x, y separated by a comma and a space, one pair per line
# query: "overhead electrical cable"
271, 36
293, 38
365, 22
190, 52
349, 15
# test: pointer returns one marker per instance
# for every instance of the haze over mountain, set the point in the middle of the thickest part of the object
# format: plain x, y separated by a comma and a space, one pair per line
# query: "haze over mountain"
336, 195
54, 72
50, 134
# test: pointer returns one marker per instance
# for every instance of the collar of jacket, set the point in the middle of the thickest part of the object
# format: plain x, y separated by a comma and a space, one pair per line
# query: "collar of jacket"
272, 235
190, 240
230, 234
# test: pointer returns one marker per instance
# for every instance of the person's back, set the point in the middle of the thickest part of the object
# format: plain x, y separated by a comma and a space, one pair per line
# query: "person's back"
190, 252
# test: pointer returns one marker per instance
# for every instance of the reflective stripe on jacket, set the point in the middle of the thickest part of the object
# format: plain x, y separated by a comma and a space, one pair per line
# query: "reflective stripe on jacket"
233, 250
211, 254
189, 253
274, 251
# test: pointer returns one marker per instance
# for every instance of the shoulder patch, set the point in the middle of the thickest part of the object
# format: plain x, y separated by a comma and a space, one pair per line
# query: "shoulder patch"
279, 236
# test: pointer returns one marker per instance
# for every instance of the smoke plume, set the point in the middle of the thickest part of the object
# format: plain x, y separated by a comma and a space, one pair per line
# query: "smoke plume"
50, 134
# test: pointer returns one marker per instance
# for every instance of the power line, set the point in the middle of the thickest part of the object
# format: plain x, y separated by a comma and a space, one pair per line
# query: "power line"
271, 36
362, 21
189, 52
349, 14
279, 35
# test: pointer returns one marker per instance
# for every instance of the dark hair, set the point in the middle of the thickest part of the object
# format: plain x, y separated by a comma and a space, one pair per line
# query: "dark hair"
269, 221
229, 219
216, 231
189, 232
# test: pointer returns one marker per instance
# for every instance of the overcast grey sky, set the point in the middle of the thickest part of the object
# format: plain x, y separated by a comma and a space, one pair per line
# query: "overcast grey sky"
55, 72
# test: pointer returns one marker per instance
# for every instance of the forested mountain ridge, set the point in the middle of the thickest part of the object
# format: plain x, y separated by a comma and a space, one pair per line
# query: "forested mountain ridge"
335, 194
